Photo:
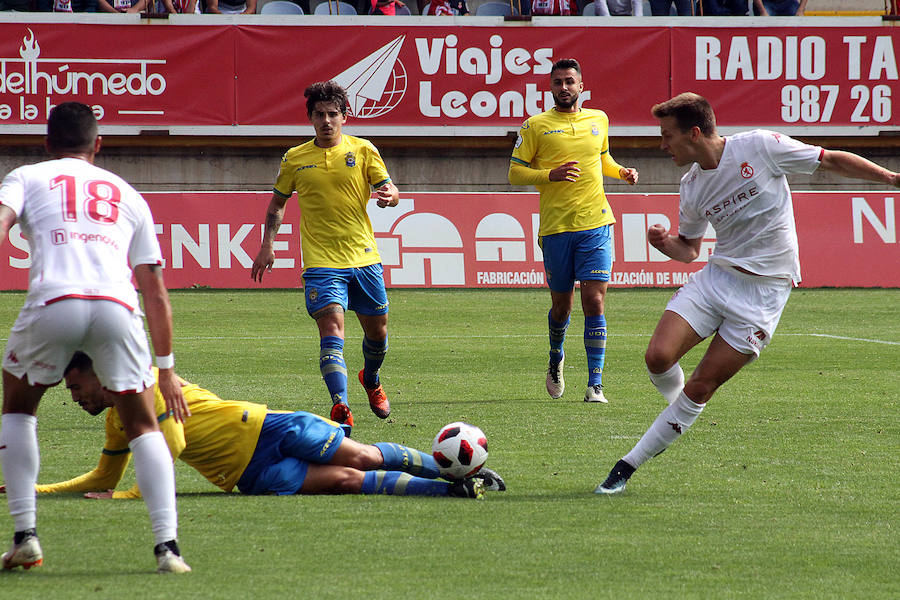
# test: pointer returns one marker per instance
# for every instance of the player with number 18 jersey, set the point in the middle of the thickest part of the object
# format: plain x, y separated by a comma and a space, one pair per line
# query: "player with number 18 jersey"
86, 227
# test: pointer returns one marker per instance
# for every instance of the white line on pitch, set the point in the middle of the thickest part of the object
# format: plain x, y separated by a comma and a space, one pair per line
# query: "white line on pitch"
841, 337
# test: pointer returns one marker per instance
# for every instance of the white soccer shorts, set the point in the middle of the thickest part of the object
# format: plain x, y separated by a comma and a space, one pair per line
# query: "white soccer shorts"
744, 309
44, 338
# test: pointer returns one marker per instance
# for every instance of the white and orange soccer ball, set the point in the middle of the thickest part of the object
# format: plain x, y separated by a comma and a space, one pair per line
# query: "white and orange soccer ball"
460, 450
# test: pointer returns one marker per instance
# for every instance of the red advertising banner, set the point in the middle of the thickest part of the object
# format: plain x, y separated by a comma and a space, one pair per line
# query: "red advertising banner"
489, 240
141, 76
450, 76
406, 78
791, 76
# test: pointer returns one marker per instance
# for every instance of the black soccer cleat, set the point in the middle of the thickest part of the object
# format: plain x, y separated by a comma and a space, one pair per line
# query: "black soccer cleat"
491, 481
618, 477
467, 488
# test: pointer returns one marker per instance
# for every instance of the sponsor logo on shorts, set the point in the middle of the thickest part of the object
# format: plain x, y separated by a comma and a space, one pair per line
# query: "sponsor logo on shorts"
312, 294
327, 444
746, 170
757, 338
599, 271
350, 159
11, 357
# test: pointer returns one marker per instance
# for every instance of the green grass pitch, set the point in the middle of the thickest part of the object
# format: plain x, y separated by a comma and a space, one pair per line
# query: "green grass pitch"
786, 487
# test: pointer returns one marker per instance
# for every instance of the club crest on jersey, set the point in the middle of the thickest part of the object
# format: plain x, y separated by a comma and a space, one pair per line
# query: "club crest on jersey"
350, 159
595, 130
746, 171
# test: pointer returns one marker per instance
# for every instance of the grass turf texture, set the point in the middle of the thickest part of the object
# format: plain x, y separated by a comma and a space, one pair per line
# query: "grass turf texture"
785, 487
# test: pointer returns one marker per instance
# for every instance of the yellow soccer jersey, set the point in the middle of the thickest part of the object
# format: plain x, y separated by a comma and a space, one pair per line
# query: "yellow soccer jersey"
218, 440
552, 138
333, 187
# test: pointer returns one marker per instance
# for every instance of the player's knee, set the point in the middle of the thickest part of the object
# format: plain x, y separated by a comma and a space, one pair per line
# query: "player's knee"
364, 460
699, 389
348, 481
657, 359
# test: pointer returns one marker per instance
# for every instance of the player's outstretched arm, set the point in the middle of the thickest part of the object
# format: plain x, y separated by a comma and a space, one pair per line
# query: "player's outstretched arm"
265, 258
855, 166
159, 321
674, 246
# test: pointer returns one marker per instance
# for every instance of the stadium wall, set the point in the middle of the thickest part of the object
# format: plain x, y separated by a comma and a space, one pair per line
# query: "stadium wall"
842, 69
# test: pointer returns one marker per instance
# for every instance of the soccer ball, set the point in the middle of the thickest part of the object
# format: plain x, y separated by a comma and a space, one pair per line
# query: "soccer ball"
460, 450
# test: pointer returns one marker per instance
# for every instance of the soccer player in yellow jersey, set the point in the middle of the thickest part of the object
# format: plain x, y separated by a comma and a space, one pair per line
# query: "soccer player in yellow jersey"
259, 451
332, 175
564, 153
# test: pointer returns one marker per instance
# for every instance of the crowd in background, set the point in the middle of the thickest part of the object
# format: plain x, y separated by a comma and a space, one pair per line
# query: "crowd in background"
432, 7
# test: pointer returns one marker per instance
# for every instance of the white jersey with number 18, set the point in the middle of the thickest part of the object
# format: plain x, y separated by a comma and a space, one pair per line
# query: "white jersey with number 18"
86, 228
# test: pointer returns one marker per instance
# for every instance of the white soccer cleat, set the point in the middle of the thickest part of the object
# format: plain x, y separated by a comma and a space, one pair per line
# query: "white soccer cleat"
169, 562
556, 384
594, 393
168, 558
25, 554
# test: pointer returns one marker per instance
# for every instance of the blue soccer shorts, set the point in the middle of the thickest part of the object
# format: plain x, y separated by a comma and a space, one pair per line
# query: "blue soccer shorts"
360, 289
577, 255
287, 444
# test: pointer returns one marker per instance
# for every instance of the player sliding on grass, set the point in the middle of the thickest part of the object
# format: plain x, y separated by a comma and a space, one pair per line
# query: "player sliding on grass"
738, 185
332, 175
261, 451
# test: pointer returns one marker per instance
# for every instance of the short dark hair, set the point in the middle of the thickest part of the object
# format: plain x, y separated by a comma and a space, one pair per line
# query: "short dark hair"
690, 110
80, 361
326, 91
71, 127
566, 63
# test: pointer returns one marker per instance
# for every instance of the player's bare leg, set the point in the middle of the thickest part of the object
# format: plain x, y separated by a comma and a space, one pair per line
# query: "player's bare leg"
718, 365
671, 340
21, 461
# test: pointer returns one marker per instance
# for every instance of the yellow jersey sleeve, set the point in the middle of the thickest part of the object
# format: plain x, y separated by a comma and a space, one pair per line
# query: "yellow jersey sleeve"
110, 469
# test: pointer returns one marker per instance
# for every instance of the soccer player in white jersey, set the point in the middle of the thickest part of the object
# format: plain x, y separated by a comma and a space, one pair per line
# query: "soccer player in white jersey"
89, 231
738, 184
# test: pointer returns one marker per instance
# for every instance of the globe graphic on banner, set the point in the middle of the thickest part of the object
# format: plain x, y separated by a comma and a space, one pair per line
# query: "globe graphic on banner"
393, 94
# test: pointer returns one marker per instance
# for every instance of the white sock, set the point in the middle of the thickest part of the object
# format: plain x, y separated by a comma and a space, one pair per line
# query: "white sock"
156, 477
669, 383
21, 461
671, 423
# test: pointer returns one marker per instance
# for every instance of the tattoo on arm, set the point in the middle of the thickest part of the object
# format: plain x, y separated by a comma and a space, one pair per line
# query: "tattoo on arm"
273, 222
